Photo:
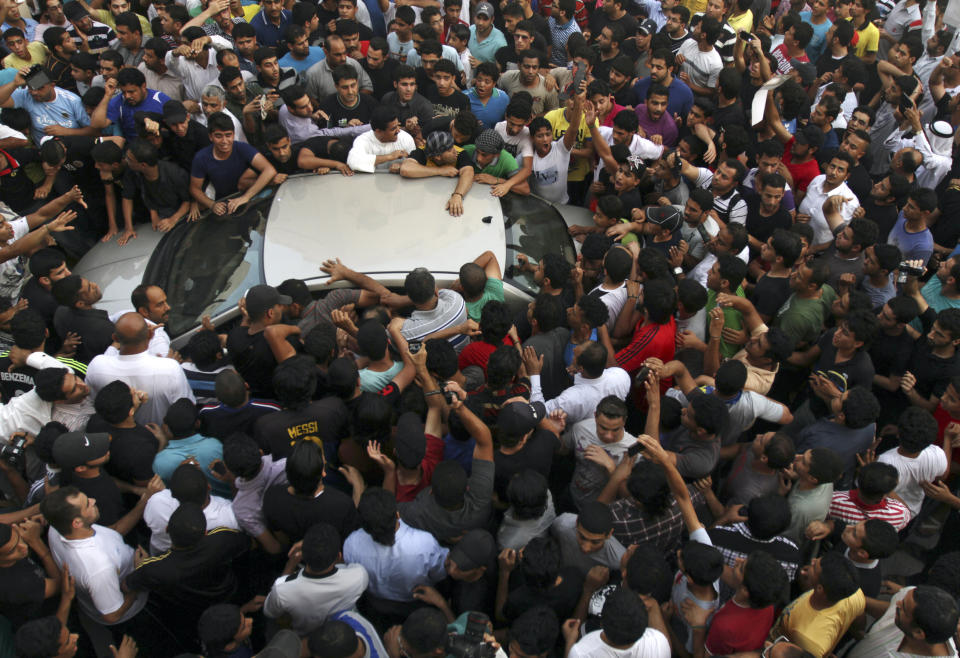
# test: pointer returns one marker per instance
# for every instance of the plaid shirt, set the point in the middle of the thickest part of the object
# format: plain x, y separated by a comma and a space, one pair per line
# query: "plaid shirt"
631, 525
735, 541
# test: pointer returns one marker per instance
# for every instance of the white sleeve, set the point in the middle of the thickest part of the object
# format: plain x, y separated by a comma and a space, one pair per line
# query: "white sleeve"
219, 43
359, 159
41, 360
701, 535
104, 589
765, 408
645, 148
704, 178
271, 606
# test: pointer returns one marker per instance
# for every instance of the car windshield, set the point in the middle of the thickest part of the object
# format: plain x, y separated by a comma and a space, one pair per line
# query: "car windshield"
206, 266
533, 228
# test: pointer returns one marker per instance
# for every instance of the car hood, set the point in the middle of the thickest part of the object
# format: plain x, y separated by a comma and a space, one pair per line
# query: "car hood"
118, 270
370, 220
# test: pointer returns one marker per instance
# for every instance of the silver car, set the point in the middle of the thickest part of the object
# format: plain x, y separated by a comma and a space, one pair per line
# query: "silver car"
380, 224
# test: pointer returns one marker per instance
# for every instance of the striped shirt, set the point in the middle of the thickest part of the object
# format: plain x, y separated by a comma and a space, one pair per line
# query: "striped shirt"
450, 311
735, 541
725, 42
848, 507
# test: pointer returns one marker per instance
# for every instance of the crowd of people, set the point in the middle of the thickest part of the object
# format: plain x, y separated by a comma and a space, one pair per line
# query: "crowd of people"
728, 428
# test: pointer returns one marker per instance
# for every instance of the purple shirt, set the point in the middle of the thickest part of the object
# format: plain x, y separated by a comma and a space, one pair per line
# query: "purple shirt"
666, 127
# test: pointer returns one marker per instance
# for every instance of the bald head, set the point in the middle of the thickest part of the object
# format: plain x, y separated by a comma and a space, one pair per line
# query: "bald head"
131, 331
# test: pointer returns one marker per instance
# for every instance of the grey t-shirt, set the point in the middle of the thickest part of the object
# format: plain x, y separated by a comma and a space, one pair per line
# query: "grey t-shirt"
744, 484
424, 513
564, 530
695, 458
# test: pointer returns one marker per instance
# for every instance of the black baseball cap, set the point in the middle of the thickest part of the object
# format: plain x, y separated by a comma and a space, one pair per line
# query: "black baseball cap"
78, 448
262, 298
476, 549
174, 111
518, 418
668, 217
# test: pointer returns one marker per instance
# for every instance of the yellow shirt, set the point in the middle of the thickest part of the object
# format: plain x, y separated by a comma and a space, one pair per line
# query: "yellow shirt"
818, 631
579, 167
105, 17
695, 6
38, 55
249, 11
742, 22
869, 40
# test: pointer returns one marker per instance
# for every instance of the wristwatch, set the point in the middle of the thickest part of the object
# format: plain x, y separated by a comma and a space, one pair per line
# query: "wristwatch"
678, 271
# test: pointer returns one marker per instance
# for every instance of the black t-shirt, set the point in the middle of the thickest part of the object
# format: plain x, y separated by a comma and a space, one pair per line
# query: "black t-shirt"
182, 149
41, 300
104, 490
220, 421
382, 78
761, 227
21, 596
294, 515
731, 115
770, 293
14, 381
447, 106
859, 181
322, 421
885, 217
827, 63
891, 354
253, 359
340, 115
627, 96
537, 454
562, 597
132, 450
946, 230
858, 370
933, 373
186, 581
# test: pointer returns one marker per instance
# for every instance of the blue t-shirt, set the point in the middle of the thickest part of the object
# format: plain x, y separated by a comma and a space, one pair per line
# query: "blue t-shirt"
680, 100
486, 50
224, 174
459, 451
491, 113
204, 448
818, 43
64, 110
912, 245
398, 49
121, 113
300, 66
269, 34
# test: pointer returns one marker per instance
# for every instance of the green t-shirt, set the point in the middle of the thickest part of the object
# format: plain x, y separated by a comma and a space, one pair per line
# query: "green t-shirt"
802, 319
493, 290
732, 318
629, 237
504, 166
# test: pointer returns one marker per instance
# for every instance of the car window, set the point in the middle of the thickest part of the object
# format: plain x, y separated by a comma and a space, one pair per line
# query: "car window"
534, 228
205, 267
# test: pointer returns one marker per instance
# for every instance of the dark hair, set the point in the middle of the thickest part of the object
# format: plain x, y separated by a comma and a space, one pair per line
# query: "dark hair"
540, 562
732, 270
38, 638
547, 311
495, 322
294, 382
321, 343
344, 72
556, 268
58, 511
703, 563
596, 518
203, 347
648, 574
502, 366
304, 467
765, 580
44, 261
876, 480
321, 546
860, 408
48, 383
904, 308
838, 577
593, 359
924, 198
217, 627
488, 69
527, 494
53, 38
616, 262
535, 631
624, 617
709, 413
595, 312
917, 429
768, 516
219, 122
420, 285
945, 572
935, 613
378, 515
334, 639
825, 465
383, 115
188, 484
648, 486
692, 295
441, 358
114, 402
731, 377
425, 630
187, 525
627, 121
659, 301
241, 455
787, 245
880, 539
28, 328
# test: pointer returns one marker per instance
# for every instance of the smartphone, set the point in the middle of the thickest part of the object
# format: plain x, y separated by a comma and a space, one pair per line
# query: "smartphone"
635, 449
641, 376
704, 233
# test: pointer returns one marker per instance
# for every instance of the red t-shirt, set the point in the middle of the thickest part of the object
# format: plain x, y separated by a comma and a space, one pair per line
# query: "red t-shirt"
478, 353
652, 340
433, 456
943, 419
735, 628
802, 173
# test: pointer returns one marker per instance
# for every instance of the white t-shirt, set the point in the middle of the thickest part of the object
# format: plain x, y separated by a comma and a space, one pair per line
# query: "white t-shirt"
162, 505
550, 173
639, 146
309, 600
925, 467
812, 205
614, 300
519, 145
702, 67
98, 564
652, 644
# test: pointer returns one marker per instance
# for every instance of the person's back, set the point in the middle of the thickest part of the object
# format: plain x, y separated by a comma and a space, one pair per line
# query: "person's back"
181, 422
918, 458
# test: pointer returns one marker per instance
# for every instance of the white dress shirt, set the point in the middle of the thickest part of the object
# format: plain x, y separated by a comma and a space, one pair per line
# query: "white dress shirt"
812, 205
367, 147
580, 400
161, 379
194, 76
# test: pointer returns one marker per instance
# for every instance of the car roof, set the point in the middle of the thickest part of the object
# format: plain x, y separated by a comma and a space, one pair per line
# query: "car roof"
379, 224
